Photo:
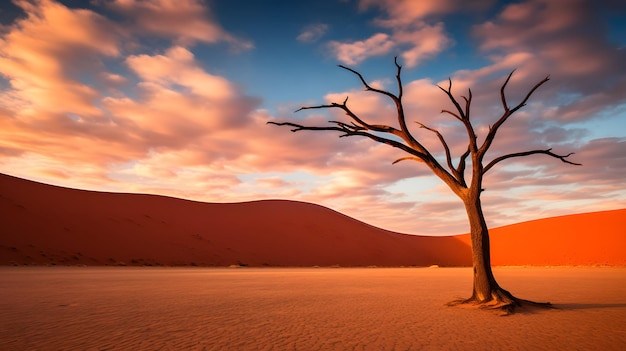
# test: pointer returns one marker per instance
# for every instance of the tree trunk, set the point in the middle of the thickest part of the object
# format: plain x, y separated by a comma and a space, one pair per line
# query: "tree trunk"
486, 291
484, 281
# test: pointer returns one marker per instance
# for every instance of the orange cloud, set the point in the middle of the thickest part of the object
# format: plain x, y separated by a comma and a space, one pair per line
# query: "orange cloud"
178, 66
45, 51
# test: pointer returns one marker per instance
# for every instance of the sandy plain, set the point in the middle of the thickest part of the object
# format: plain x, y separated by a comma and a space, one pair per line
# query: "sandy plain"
154, 308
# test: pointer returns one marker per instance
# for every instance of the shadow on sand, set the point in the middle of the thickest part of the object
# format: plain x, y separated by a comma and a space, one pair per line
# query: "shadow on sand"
588, 306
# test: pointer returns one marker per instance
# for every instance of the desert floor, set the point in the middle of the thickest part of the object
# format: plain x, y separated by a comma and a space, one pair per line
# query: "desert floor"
84, 308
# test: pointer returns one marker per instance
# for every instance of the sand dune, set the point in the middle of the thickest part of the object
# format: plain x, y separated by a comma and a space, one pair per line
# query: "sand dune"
44, 224
597, 238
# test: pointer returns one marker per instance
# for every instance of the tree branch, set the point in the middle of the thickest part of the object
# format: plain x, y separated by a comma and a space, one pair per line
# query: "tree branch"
351, 130
462, 162
523, 103
446, 148
398, 78
461, 113
452, 114
367, 86
528, 153
468, 102
403, 140
374, 127
507, 112
505, 106
407, 158
397, 100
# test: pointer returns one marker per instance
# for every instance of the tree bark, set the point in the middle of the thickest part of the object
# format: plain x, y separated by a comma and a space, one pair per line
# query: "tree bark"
484, 281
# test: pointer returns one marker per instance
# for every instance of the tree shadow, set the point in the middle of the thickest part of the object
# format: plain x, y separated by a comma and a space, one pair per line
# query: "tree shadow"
588, 306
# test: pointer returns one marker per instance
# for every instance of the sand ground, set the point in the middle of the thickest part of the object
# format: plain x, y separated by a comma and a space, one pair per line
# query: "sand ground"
80, 308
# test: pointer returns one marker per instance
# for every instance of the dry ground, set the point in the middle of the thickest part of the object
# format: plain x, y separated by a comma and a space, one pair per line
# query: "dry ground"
79, 308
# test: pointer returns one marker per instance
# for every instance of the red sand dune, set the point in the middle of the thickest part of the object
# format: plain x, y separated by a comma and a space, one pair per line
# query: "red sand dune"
44, 224
597, 238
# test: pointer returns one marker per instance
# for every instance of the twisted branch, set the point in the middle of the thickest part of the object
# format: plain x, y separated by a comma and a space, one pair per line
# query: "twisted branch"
507, 111
397, 100
445, 147
352, 130
528, 153
462, 115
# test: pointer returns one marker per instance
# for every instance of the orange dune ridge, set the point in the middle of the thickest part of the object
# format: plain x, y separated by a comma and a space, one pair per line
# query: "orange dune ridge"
49, 225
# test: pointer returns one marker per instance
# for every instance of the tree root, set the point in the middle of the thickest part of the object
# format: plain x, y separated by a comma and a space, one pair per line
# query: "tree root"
503, 302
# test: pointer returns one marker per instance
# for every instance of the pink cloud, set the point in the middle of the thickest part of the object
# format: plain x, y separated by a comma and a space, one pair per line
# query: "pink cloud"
184, 20
355, 52
413, 33
405, 12
415, 43
424, 42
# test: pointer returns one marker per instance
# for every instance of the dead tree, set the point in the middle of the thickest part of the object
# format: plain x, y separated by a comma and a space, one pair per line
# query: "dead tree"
486, 291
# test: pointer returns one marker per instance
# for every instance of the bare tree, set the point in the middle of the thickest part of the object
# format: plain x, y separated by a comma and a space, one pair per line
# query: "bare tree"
486, 290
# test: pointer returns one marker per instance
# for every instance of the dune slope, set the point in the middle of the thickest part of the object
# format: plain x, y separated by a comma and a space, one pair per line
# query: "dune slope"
596, 238
44, 224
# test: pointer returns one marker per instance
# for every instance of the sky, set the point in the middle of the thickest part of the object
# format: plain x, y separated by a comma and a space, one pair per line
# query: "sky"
173, 98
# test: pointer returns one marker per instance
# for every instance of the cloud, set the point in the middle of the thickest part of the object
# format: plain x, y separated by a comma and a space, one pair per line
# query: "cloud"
355, 52
47, 50
53, 114
179, 103
413, 32
409, 34
569, 43
178, 67
423, 42
186, 21
416, 44
312, 33
405, 12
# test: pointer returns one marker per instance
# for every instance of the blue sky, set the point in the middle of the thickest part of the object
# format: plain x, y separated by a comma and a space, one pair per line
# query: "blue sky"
172, 98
